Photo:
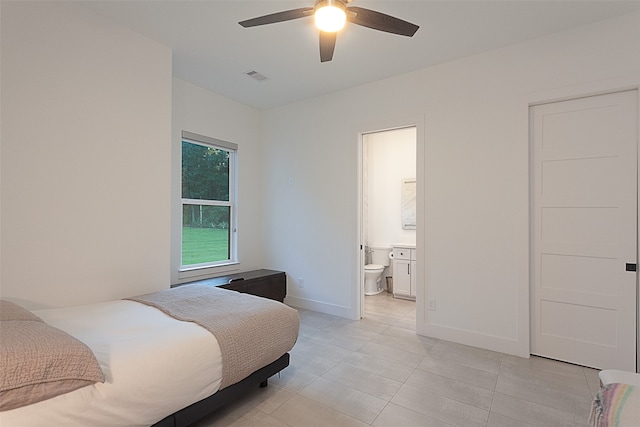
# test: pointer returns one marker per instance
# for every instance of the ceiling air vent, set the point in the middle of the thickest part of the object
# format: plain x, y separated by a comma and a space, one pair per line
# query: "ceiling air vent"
256, 75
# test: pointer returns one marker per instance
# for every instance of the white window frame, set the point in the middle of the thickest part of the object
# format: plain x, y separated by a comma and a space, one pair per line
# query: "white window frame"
232, 148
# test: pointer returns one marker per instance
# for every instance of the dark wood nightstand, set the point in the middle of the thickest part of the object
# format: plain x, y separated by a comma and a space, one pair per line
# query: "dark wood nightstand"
263, 283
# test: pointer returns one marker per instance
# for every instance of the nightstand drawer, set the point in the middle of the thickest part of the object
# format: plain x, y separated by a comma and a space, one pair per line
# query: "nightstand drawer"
263, 283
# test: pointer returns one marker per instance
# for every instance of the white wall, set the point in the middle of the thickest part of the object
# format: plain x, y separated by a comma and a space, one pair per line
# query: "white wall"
391, 157
203, 112
85, 103
475, 186
86, 125
0, 150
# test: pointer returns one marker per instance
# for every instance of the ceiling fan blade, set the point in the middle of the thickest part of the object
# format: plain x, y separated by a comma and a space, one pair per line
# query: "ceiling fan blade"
327, 46
380, 21
287, 15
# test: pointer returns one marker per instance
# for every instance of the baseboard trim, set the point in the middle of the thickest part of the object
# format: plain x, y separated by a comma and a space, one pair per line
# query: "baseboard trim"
474, 339
319, 306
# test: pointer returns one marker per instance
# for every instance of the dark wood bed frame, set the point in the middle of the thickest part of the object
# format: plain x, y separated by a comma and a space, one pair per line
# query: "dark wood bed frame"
198, 410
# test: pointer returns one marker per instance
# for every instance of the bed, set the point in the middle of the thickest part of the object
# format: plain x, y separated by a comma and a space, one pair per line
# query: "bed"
158, 368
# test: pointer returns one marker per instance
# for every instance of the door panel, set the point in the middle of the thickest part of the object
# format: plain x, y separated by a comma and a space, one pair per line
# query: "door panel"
577, 273
578, 181
585, 230
596, 329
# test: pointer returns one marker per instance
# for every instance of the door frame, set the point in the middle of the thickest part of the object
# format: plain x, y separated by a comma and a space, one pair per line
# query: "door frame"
526, 290
383, 125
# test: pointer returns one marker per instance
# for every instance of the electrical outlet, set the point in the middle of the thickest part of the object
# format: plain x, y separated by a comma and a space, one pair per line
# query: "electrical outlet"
431, 305
300, 282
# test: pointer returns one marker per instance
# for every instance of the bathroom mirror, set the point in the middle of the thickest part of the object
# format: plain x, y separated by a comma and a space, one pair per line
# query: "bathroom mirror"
409, 204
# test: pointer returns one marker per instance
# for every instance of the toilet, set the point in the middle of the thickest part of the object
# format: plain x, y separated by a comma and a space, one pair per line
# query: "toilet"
373, 272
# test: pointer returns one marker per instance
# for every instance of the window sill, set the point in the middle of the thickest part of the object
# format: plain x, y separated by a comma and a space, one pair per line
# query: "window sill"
189, 274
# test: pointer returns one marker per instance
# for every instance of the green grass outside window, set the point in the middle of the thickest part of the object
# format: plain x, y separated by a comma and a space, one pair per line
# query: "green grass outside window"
203, 245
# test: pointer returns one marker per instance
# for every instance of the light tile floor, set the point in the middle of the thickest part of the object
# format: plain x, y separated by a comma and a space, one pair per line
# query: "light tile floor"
378, 372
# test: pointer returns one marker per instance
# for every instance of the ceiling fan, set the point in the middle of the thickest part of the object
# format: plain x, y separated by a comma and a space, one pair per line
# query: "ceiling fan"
330, 17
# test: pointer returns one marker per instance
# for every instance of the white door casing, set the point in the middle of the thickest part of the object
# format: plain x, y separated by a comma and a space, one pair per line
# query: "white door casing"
584, 213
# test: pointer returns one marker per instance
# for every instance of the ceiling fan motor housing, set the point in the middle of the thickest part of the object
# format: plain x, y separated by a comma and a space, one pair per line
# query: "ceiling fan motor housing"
335, 3
330, 15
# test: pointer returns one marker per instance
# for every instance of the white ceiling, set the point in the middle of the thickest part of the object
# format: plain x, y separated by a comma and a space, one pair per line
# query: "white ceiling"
211, 50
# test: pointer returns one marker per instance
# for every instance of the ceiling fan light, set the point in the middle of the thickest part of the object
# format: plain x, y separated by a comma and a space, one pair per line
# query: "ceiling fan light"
330, 18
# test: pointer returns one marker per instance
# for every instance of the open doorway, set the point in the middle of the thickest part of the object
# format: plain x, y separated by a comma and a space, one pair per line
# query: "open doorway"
388, 225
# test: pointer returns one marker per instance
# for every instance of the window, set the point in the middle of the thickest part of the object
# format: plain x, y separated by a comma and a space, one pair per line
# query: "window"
208, 201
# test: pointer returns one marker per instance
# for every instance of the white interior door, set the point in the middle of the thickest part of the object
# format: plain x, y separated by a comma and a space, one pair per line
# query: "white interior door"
585, 230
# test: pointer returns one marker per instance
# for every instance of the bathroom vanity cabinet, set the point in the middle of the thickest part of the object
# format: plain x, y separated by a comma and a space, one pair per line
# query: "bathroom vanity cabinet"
404, 272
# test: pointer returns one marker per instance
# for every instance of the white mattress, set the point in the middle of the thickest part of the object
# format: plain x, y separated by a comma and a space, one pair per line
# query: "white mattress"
154, 365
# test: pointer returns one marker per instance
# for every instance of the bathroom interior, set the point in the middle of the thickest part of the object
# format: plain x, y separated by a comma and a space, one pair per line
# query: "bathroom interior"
389, 221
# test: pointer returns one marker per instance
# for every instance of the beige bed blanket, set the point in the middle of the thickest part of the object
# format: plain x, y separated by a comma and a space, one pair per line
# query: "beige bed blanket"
251, 331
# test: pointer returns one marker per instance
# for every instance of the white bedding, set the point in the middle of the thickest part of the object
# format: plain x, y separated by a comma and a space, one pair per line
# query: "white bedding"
142, 353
